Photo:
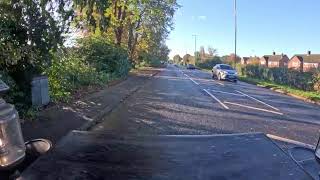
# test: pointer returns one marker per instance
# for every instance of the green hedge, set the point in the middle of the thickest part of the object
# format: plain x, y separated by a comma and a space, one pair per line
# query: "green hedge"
308, 81
209, 63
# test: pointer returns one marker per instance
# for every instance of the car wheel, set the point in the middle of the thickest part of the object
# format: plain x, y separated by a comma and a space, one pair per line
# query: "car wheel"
212, 76
235, 81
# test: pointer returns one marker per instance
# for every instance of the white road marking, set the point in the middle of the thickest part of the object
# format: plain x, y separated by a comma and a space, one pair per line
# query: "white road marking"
258, 100
191, 79
215, 98
218, 82
234, 94
194, 81
250, 107
290, 141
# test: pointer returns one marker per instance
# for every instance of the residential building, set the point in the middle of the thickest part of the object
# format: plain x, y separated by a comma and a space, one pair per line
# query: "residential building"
244, 60
274, 60
264, 60
305, 62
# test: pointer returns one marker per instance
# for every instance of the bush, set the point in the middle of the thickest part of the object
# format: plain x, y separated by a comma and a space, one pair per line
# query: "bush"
148, 60
15, 95
67, 73
94, 62
301, 80
104, 56
209, 63
316, 81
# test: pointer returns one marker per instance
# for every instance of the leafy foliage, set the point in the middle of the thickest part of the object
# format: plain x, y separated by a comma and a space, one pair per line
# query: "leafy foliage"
104, 56
300, 80
94, 62
68, 72
30, 30
90, 14
312, 95
209, 63
177, 59
114, 34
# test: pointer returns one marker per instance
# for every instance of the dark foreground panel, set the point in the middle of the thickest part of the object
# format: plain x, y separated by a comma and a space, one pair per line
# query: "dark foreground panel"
83, 155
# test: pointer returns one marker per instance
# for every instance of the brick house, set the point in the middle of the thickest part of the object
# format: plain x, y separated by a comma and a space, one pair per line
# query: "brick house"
264, 60
305, 62
244, 60
274, 60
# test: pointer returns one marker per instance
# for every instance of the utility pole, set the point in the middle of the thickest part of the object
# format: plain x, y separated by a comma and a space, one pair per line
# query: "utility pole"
195, 46
235, 32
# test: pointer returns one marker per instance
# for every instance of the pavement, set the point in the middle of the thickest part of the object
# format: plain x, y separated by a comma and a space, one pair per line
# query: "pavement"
57, 121
181, 101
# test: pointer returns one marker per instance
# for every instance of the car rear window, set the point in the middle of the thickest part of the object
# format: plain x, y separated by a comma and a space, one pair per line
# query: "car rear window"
226, 67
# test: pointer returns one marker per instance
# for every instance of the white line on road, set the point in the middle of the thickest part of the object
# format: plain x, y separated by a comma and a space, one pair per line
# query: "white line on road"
191, 79
215, 98
218, 83
258, 100
194, 81
234, 94
250, 107
187, 75
290, 141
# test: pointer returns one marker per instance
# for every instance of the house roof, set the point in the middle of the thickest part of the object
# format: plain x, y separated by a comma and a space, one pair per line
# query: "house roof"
312, 58
274, 58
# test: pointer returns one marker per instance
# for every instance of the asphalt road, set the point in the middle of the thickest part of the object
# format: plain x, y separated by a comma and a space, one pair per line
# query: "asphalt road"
180, 101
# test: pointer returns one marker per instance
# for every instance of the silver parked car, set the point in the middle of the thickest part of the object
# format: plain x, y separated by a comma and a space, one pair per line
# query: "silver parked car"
224, 72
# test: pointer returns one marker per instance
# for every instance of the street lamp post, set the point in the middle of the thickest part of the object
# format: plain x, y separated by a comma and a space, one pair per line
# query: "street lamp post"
195, 46
235, 31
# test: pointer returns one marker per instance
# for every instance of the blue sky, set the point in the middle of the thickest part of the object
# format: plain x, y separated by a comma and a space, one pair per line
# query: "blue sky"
264, 26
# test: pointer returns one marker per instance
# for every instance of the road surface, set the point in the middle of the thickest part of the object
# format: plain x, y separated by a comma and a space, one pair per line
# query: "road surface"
180, 101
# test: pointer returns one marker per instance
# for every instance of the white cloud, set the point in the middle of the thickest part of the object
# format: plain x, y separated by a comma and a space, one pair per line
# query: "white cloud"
202, 18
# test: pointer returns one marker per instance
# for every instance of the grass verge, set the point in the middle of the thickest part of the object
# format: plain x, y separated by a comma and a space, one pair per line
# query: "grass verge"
310, 95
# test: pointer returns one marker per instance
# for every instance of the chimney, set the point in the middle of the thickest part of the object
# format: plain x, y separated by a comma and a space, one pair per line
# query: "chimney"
274, 53
309, 52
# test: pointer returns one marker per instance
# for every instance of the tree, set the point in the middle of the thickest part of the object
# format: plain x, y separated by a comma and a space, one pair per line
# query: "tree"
188, 59
30, 30
138, 24
202, 53
231, 59
90, 14
212, 51
177, 59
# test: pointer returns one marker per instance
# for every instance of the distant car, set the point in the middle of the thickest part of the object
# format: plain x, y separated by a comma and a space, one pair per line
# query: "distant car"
191, 66
224, 72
